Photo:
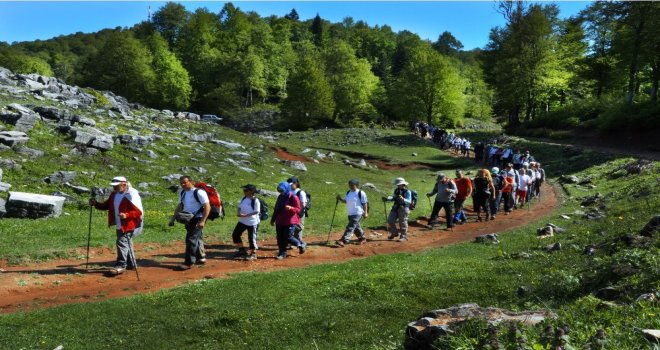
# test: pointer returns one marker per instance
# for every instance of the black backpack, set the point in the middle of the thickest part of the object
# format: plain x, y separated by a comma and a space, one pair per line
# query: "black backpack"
359, 196
413, 198
498, 182
304, 210
263, 209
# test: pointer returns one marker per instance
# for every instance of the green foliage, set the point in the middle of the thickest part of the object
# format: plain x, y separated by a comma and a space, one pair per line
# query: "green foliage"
101, 100
172, 88
22, 63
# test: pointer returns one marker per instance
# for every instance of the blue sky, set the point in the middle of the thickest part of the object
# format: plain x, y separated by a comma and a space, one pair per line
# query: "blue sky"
469, 21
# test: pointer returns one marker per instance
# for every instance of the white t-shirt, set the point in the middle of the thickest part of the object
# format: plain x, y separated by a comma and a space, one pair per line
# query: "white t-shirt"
524, 182
245, 207
354, 204
118, 198
191, 205
302, 196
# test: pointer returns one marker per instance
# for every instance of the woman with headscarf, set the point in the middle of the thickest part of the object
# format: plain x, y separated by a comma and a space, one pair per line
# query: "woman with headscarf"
285, 218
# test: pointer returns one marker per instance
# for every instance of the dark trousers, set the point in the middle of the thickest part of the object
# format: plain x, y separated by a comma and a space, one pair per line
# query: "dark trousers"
480, 202
194, 242
508, 201
252, 234
495, 203
449, 216
458, 209
285, 235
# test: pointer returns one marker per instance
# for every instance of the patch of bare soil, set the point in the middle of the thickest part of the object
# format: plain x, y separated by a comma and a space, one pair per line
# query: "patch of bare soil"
59, 282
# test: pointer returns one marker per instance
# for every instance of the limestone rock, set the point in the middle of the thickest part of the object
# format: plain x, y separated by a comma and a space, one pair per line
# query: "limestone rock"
296, 164
3, 203
487, 238
52, 113
4, 187
78, 189
33, 206
30, 152
13, 138
152, 154
230, 145
591, 200
652, 335
20, 116
424, 332
240, 154
60, 177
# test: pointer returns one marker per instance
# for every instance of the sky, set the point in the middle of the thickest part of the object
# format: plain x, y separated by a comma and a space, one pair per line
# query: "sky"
469, 21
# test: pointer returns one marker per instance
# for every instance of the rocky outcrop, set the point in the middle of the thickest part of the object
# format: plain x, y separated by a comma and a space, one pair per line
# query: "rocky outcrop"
33, 206
423, 333
20, 116
13, 138
60, 177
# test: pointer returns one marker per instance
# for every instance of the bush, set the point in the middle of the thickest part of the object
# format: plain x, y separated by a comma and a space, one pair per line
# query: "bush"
638, 116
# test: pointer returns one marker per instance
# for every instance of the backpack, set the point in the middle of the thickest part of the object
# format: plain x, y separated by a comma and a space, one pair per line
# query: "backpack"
304, 210
413, 199
217, 209
263, 209
498, 182
360, 196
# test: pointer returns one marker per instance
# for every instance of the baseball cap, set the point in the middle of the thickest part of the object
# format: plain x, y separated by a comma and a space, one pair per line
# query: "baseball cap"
117, 180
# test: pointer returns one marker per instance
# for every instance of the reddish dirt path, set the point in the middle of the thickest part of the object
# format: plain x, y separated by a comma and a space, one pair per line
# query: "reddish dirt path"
67, 281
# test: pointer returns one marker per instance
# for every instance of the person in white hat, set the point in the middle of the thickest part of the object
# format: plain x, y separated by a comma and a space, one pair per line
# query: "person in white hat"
125, 211
402, 199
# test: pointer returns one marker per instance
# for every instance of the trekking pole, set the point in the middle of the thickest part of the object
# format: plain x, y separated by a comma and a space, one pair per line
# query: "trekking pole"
132, 255
333, 220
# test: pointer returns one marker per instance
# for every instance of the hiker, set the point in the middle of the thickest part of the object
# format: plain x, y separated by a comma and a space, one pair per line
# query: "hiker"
248, 211
532, 180
508, 190
540, 178
523, 186
445, 191
517, 160
357, 207
193, 210
302, 196
483, 190
498, 184
124, 207
402, 198
464, 188
285, 218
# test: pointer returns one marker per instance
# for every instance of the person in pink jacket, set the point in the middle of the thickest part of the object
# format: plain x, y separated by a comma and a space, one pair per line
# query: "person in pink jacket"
285, 218
125, 212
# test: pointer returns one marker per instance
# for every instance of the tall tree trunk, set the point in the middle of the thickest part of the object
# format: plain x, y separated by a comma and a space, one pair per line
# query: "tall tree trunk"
632, 72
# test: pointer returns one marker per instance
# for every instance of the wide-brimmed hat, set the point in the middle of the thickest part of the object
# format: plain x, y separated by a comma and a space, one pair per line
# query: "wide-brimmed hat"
117, 180
400, 181
249, 187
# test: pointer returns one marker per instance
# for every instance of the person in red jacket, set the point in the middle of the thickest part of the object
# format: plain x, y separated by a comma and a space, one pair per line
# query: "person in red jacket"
464, 186
285, 218
125, 212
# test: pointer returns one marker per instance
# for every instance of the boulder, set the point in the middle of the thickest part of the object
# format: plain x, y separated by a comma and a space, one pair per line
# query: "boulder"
20, 116
487, 238
78, 189
52, 113
652, 335
3, 203
649, 230
13, 138
424, 332
60, 177
30, 152
572, 179
267, 193
296, 164
230, 145
33, 206
7, 77
553, 247
4, 187
546, 231
240, 154
591, 200
152, 154
92, 137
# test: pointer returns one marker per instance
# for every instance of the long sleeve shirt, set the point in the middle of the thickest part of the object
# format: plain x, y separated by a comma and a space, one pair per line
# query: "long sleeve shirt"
443, 195
407, 197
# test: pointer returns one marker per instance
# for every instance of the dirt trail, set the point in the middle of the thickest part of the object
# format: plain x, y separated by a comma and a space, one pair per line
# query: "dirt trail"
67, 281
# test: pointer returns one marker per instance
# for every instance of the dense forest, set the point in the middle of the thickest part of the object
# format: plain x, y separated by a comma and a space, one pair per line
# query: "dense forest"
597, 69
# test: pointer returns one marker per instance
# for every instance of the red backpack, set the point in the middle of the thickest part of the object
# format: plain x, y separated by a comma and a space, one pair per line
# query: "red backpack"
217, 209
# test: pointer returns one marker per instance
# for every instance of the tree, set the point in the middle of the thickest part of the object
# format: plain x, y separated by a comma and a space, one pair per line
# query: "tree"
293, 15
123, 66
351, 79
309, 95
169, 20
172, 88
447, 44
318, 31
22, 63
429, 88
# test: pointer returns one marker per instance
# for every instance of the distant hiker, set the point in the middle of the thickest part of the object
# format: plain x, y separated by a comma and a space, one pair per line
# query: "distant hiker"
483, 191
357, 207
540, 178
192, 211
523, 186
402, 198
304, 200
285, 218
498, 184
445, 191
125, 211
464, 187
517, 160
248, 211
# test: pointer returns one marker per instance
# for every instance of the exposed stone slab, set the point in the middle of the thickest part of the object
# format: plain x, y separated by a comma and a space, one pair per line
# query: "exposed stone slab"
13, 138
33, 206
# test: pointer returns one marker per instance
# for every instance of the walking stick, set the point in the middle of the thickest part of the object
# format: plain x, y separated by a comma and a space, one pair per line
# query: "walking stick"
333, 220
132, 255
89, 233
385, 212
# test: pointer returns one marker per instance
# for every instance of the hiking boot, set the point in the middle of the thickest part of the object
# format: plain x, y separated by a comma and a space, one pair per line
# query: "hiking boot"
362, 240
251, 257
392, 236
403, 239
280, 256
184, 267
492, 217
117, 270
201, 261
340, 243
301, 249
289, 247
241, 253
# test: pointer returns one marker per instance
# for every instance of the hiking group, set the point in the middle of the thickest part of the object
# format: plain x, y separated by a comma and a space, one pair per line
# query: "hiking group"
513, 186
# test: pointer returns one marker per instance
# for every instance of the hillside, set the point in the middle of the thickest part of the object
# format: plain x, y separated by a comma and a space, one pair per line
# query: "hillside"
601, 273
